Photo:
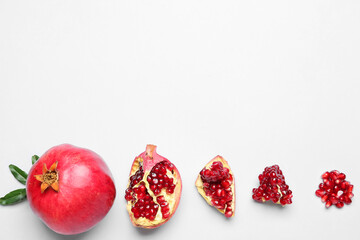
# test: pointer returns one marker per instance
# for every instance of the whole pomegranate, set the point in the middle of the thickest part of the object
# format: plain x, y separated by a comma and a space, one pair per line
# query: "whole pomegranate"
69, 188
153, 191
216, 184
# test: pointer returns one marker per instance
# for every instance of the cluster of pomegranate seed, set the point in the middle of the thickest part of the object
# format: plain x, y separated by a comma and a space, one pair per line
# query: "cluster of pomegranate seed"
143, 204
272, 187
165, 210
335, 190
217, 184
158, 179
134, 179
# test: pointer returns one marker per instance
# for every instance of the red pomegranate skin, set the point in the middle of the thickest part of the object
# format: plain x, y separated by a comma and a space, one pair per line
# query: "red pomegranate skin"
86, 190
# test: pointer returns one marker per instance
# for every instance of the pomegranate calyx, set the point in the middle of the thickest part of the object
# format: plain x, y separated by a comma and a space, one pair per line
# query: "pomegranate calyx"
150, 149
49, 178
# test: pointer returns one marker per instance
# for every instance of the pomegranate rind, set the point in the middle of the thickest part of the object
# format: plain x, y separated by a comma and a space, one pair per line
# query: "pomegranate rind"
148, 160
199, 184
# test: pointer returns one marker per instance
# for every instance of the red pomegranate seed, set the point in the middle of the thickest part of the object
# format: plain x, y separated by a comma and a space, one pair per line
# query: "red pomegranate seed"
335, 190
320, 192
324, 198
228, 214
341, 176
340, 204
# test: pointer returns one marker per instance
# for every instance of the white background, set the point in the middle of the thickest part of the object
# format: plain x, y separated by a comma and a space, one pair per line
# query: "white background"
258, 82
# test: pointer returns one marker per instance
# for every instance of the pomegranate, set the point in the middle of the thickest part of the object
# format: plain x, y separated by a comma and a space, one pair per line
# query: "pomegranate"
216, 185
153, 191
335, 190
272, 187
69, 188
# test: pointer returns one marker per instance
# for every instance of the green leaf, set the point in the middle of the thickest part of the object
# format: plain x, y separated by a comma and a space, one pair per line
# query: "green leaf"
19, 174
13, 197
34, 159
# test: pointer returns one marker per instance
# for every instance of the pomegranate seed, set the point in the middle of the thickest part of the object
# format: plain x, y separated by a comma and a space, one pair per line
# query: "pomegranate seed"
325, 175
347, 200
324, 198
328, 204
225, 183
340, 204
160, 199
142, 188
220, 193
165, 209
149, 179
164, 204
228, 214
341, 176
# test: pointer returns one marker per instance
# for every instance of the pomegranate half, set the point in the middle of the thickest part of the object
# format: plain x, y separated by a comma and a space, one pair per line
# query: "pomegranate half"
216, 184
153, 191
69, 188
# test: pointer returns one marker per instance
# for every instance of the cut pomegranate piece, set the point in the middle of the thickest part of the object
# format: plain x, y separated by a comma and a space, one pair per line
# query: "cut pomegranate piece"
335, 190
153, 191
272, 187
216, 185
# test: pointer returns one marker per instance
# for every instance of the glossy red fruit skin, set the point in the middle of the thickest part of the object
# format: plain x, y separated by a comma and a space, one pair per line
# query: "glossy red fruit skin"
86, 190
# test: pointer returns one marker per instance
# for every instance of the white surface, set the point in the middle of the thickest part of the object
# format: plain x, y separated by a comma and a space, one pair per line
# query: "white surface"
258, 82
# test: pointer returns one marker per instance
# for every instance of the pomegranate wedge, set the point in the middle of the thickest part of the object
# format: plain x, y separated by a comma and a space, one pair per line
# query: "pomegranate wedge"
216, 185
